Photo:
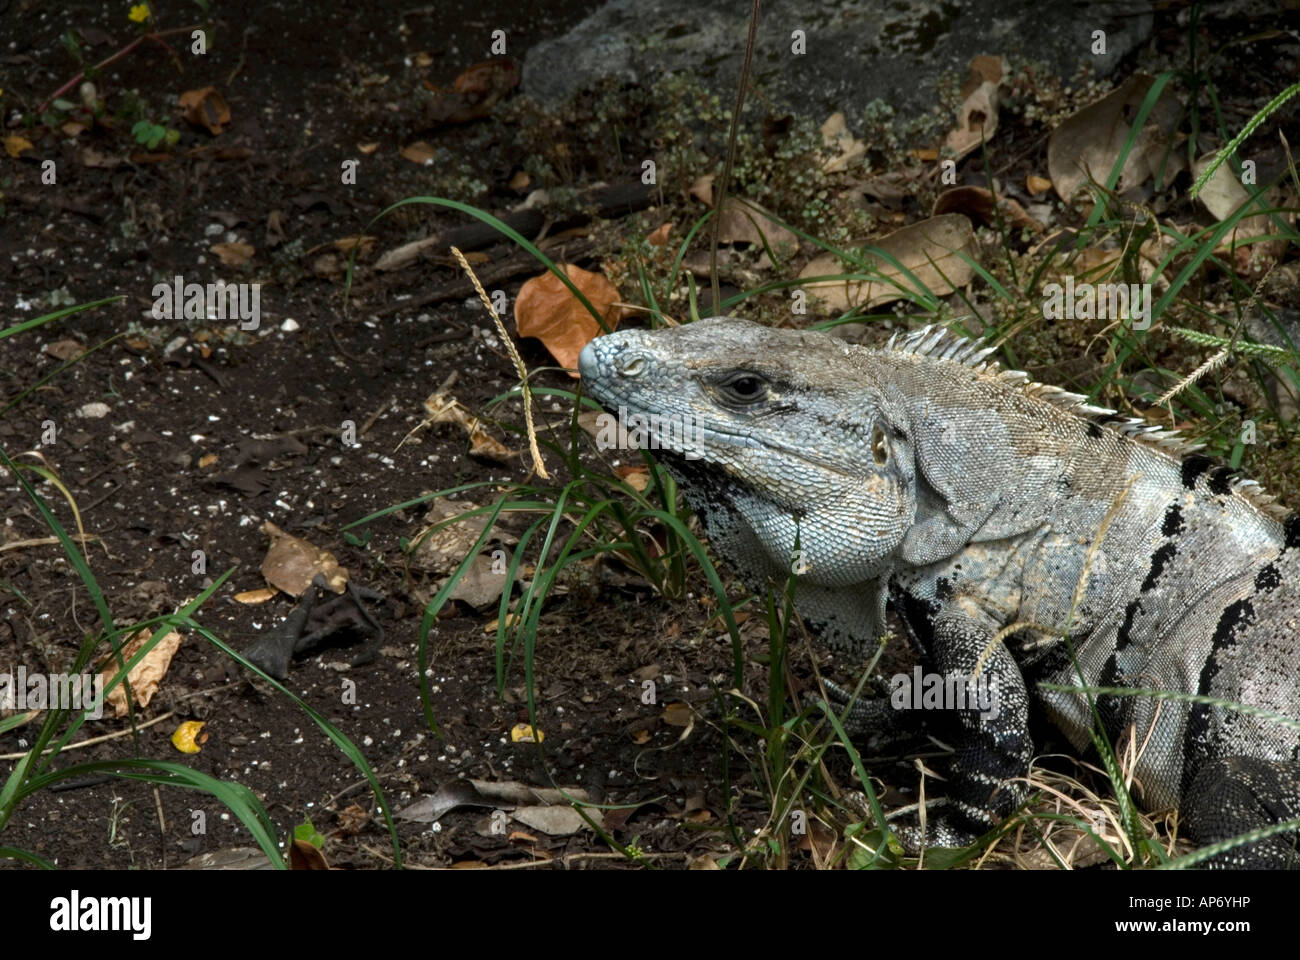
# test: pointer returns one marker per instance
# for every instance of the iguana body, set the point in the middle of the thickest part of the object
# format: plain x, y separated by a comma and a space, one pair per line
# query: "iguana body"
973, 501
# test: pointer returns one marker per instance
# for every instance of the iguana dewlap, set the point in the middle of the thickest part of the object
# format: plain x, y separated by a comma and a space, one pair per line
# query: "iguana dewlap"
971, 500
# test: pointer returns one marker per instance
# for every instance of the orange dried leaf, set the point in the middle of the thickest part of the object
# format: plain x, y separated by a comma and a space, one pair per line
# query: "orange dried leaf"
1037, 185
418, 152
206, 108
659, 236
547, 310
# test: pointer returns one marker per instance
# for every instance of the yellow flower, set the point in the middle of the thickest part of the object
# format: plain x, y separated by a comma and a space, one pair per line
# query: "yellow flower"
139, 13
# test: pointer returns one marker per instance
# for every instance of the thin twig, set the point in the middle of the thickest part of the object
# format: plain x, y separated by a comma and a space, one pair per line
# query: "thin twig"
152, 35
93, 740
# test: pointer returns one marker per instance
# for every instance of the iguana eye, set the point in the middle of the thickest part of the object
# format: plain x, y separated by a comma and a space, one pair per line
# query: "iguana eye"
745, 387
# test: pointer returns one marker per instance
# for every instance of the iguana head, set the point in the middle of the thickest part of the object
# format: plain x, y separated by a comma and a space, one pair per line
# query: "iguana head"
771, 433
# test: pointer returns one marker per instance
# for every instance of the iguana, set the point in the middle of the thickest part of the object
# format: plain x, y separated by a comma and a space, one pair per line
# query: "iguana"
1016, 530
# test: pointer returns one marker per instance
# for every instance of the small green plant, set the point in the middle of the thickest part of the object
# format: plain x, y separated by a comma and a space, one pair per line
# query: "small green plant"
307, 833
151, 134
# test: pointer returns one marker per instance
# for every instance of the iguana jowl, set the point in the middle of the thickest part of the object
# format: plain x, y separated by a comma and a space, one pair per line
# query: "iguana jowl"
972, 500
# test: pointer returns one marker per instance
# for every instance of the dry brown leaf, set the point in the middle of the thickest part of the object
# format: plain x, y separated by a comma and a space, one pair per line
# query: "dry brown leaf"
1090, 140
547, 310
64, 349
260, 595
939, 239
678, 714
365, 242
145, 676
291, 563
702, 189
658, 237
366, 149
1223, 194
441, 551
747, 222
473, 93
977, 203
520, 182
483, 444
977, 119
835, 133
703, 862
481, 585
418, 152
637, 477
444, 408
305, 856
233, 254
14, 144
1037, 185
206, 108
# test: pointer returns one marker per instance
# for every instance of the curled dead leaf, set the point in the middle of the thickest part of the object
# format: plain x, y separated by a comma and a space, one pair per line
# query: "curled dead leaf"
145, 676
977, 118
291, 563
977, 203
702, 189
205, 108
473, 93
444, 408
364, 243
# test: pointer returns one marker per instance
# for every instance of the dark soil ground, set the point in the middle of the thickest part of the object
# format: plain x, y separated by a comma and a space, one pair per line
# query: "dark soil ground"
211, 431
301, 100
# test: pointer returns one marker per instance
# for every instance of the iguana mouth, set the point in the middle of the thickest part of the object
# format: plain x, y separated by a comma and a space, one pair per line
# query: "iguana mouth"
741, 440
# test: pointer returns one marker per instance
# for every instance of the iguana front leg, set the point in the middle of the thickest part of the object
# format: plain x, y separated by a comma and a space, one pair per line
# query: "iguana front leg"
872, 722
993, 746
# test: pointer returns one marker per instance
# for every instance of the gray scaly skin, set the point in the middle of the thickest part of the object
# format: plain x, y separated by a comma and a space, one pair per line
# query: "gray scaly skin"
971, 500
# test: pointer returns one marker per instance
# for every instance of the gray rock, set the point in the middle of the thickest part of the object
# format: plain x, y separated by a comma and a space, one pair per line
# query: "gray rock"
856, 52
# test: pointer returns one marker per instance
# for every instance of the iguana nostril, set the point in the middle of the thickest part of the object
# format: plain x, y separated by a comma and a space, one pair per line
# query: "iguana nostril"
632, 366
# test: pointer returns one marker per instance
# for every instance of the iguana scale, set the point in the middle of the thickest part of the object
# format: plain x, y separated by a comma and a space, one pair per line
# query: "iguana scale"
1015, 529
